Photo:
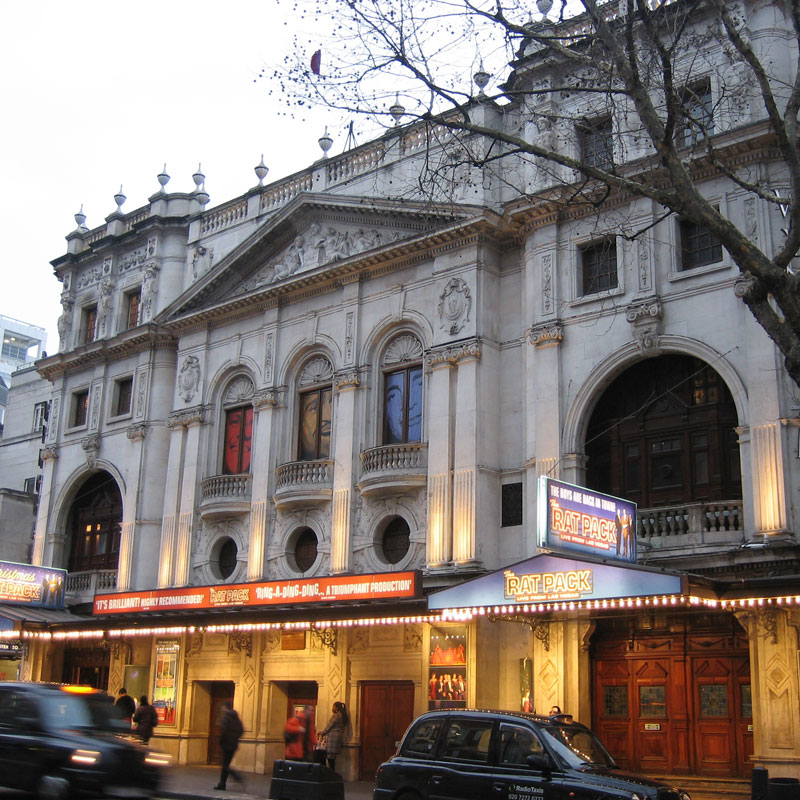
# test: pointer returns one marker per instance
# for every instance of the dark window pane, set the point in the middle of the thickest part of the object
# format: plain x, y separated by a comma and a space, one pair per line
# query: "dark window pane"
747, 700
133, 309
227, 558
81, 408
422, 739
596, 143
396, 540
599, 267
698, 246
325, 424
414, 405
615, 701
305, 550
124, 393
468, 740
511, 505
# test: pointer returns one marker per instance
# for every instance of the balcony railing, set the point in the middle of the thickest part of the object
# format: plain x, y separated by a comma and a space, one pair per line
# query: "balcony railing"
225, 496
302, 483
81, 587
690, 527
394, 469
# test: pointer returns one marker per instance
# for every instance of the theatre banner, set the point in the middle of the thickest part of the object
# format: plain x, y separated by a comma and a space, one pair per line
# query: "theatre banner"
579, 519
379, 586
555, 578
26, 585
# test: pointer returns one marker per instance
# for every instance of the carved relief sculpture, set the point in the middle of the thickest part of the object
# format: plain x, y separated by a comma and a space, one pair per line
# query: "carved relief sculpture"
65, 324
149, 292
189, 378
104, 309
455, 303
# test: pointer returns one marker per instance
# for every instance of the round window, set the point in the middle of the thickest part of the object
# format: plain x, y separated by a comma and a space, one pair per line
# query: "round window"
305, 550
395, 540
227, 558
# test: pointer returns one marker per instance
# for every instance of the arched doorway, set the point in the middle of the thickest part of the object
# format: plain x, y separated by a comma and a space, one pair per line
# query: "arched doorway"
94, 524
663, 433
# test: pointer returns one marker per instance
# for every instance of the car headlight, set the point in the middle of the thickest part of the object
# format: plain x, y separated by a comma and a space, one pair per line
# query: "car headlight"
636, 796
86, 757
685, 796
157, 759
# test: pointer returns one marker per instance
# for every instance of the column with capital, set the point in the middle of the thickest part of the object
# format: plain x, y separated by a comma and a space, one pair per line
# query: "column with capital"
347, 383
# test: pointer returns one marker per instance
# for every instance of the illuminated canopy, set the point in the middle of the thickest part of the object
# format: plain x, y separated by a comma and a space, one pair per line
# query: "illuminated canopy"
550, 578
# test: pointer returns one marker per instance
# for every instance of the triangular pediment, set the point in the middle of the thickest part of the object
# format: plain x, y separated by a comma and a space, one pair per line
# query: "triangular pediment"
311, 236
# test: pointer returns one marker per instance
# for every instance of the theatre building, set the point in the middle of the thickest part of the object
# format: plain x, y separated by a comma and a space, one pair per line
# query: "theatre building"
300, 448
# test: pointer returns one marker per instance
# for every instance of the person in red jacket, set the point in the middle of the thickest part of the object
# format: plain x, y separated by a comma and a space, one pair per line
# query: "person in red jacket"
300, 736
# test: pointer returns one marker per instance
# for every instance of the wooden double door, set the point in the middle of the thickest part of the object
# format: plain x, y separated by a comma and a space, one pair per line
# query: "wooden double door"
387, 709
675, 703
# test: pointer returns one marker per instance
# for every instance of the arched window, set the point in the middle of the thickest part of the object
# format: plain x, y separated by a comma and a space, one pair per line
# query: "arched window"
316, 404
395, 541
304, 549
664, 433
402, 396
238, 407
95, 522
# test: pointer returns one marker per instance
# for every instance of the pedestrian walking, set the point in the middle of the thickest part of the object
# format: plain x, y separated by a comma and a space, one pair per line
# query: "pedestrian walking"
299, 735
145, 718
230, 731
125, 704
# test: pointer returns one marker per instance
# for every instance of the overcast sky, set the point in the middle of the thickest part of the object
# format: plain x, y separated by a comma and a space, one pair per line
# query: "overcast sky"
99, 94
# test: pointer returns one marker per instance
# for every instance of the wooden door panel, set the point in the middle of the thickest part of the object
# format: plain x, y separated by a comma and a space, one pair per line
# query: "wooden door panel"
387, 709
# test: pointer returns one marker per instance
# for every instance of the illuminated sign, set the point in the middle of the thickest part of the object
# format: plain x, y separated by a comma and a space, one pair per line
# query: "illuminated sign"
26, 585
382, 586
552, 578
575, 518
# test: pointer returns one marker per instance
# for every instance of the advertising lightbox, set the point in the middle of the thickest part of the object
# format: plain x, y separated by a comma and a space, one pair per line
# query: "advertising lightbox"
26, 585
584, 521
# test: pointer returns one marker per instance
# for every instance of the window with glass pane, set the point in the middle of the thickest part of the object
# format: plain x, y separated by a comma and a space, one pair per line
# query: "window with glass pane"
238, 440
596, 143
315, 424
124, 393
698, 119
747, 700
89, 324
652, 701
403, 406
305, 550
599, 266
699, 247
615, 701
80, 408
134, 300
468, 740
714, 700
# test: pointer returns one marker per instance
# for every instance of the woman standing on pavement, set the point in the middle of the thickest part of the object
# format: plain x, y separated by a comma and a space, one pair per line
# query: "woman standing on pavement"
335, 732
145, 718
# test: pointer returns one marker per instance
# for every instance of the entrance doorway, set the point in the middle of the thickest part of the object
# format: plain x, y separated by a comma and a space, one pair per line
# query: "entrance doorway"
672, 694
86, 667
387, 709
220, 692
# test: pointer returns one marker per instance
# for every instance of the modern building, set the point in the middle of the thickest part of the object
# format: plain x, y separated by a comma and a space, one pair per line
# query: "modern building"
22, 344
297, 443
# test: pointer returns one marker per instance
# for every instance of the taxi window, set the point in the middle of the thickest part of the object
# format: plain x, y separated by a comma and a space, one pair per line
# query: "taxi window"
17, 710
517, 743
468, 740
421, 741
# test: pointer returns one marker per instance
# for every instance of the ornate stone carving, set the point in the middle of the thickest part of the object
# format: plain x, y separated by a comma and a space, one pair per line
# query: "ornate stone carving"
202, 259
401, 349
238, 391
349, 338
644, 263
317, 370
269, 398
769, 624
137, 257
137, 432
91, 446
89, 276
186, 418
269, 356
452, 354
149, 292
347, 379
545, 334
195, 644
742, 285
455, 303
272, 641
646, 318
49, 453
189, 378
65, 323
240, 643
547, 283
104, 309
412, 638
359, 640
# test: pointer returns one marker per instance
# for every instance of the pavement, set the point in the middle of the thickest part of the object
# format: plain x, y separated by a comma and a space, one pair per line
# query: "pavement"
198, 782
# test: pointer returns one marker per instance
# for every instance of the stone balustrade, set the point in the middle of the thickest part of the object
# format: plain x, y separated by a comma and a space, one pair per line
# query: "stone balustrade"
225, 496
223, 217
302, 483
81, 587
394, 468
692, 519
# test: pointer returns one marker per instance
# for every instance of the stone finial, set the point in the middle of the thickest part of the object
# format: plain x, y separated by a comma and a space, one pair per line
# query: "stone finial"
261, 171
163, 178
119, 199
325, 142
198, 177
80, 219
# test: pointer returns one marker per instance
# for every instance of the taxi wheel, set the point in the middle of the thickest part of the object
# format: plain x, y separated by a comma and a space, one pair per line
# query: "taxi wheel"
51, 787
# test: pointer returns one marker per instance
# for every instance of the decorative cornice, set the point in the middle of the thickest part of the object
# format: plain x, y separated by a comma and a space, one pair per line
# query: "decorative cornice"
646, 317
347, 379
453, 353
186, 417
545, 334
137, 431
742, 285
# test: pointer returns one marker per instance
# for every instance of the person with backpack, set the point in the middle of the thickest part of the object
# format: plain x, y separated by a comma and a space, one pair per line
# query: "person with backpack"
145, 718
230, 731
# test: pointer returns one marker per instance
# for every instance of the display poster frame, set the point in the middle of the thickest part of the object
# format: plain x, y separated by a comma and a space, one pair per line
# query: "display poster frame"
585, 522
33, 586
448, 672
165, 680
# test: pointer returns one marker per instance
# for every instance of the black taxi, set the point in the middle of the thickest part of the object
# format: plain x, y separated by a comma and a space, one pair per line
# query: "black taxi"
502, 755
60, 741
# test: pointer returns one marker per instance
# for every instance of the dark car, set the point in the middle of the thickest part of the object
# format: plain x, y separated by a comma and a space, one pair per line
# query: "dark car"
71, 740
500, 755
